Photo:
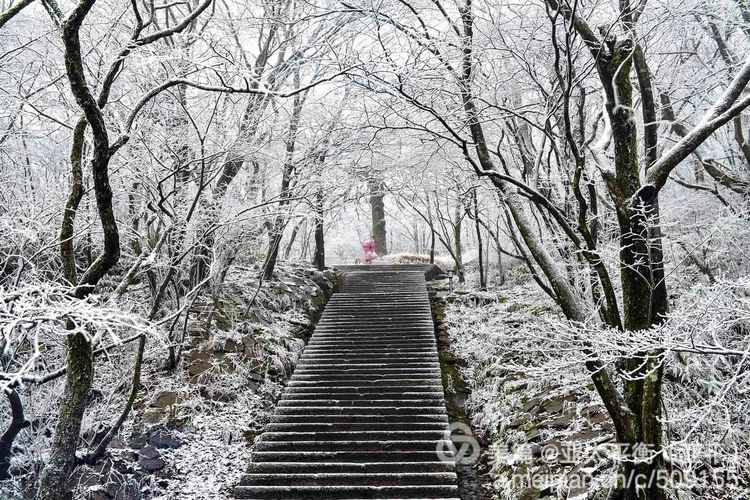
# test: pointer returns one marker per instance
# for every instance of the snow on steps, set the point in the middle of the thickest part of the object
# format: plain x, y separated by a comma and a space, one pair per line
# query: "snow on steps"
364, 413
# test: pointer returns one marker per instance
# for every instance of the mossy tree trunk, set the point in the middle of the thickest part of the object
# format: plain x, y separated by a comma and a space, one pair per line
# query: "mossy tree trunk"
643, 301
635, 412
55, 480
377, 210
55, 483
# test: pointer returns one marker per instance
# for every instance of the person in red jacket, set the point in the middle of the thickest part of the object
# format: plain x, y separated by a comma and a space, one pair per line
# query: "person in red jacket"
368, 246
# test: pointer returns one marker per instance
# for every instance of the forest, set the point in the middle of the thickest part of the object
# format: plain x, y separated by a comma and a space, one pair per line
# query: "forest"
183, 182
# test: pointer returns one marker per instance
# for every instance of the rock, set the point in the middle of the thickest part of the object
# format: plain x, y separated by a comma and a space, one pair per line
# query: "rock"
232, 345
434, 272
150, 459
137, 439
533, 435
164, 399
248, 343
116, 444
98, 492
322, 279
91, 478
95, 433
162, 438
130, 490
562, 422
198, 362
530, 405
217, 394
153, 416
553, 405
529, 494
251, 435
317, 301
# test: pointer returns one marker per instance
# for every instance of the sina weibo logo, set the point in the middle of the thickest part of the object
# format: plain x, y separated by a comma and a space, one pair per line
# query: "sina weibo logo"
458, 445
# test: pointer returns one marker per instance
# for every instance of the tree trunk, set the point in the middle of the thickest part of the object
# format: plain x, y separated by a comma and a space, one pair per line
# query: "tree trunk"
285, 192
293, 238
641, 269
18, 422
319, 257
566, 296
458, 244
55, 481
431, 225
377, 208
477, 227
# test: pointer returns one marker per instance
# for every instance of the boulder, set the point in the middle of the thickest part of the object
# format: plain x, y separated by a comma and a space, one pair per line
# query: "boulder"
150, 459
164, 399
162, 438
154, 415
96, 432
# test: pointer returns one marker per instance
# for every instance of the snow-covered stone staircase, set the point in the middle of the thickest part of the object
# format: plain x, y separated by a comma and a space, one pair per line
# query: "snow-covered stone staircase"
363, 415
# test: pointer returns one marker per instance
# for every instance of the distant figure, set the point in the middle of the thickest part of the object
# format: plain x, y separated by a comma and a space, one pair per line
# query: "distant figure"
369, 248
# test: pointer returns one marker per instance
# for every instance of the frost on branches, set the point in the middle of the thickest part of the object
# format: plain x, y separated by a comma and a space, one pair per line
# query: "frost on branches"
547, 428
32, 317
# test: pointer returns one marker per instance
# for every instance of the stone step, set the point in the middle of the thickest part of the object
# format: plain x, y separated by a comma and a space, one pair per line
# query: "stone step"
368, 445
376, 333
422, 403
312, 360
365, 364
379, 297
363, 427
348, 344
370, 325
397, 337
374, 352
357, 356
370, 375
348, 467
421, 435
337, 346
364, 418
395, 359
427, 386
401, 307
432, 368
366, 382
364, 322
369, 396
406, 376
346, 456
354, 395
345, 479
345, 492
414, 308
329, 364
356, 410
